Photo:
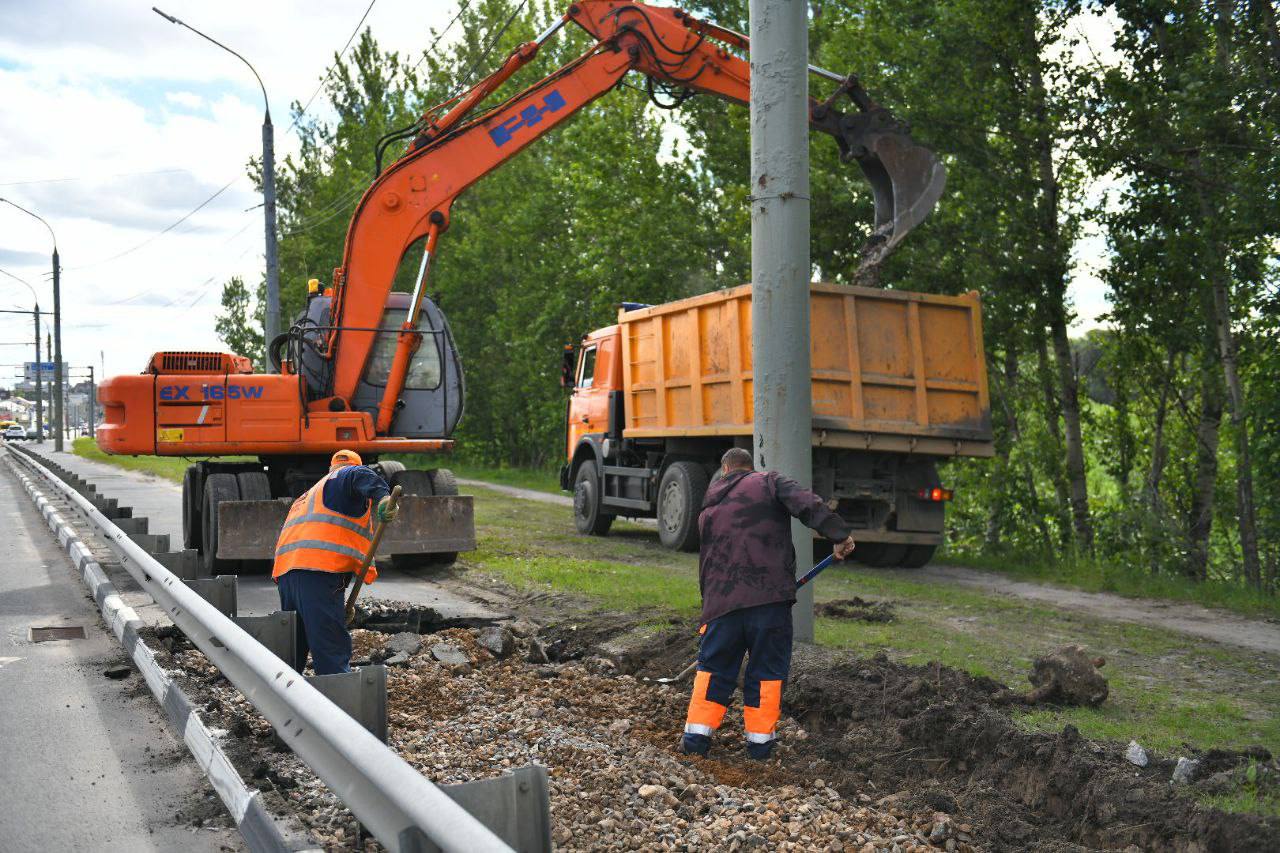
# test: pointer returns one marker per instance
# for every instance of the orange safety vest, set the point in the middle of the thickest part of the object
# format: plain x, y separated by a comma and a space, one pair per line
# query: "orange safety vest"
316, 538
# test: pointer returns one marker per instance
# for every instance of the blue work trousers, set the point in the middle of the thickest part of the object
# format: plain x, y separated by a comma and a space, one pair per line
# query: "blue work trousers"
317, 598
761, 633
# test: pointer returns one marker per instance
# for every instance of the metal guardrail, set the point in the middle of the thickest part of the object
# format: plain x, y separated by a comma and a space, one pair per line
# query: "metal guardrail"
399, 806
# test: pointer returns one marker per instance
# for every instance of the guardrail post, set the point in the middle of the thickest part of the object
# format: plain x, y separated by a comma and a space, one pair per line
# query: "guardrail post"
219, 591
362, 693
514, 806
277, 631
185, 564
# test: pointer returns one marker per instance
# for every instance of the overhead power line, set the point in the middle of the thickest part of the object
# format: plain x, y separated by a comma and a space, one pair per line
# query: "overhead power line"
329, 70
161, 233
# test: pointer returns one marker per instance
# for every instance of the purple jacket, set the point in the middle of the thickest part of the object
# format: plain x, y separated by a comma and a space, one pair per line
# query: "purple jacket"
746, 558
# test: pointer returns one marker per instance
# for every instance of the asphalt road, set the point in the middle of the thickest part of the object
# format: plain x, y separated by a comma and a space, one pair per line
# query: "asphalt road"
86, 762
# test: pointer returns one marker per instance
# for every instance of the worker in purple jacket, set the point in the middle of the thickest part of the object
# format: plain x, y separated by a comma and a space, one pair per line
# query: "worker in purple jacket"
747, 573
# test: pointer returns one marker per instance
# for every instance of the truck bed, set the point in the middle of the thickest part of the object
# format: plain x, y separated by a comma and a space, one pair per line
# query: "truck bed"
892, 370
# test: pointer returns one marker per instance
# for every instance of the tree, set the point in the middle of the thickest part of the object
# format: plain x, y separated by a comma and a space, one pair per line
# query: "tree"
240, 322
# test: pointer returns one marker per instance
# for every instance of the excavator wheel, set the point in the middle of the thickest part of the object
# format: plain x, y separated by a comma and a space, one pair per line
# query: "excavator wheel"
443, 484
412, 482
192, 500
254, 486
390, 468
217, 488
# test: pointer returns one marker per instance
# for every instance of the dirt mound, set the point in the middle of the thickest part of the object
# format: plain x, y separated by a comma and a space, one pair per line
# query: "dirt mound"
938, 732
857, 609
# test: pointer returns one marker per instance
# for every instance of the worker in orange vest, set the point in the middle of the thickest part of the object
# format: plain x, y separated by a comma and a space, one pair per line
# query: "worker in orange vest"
322, 544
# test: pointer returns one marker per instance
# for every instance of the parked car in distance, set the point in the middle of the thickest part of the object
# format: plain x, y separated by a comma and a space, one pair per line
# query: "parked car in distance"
15, 432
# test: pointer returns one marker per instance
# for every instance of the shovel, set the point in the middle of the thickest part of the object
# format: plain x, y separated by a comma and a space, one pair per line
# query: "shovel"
801, 581
368, 558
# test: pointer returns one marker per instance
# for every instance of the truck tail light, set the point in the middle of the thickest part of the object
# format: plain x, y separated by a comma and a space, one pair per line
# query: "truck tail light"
935, 494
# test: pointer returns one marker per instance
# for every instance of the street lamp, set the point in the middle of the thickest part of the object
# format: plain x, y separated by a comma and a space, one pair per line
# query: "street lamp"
268, 189
57, 329
35, 316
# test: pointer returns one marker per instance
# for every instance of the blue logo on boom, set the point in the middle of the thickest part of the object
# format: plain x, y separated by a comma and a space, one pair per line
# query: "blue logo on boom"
527, 117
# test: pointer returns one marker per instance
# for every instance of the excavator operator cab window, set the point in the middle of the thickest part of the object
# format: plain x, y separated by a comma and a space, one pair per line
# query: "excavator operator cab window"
424, 369
587, 370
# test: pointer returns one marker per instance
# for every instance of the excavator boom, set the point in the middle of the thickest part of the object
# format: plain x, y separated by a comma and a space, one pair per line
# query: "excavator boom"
453, 149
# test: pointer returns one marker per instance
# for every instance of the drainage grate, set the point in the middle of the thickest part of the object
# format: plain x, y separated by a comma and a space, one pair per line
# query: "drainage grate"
56, 632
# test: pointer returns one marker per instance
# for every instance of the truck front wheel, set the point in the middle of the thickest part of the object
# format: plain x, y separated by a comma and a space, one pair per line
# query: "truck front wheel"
680, 497
588, 516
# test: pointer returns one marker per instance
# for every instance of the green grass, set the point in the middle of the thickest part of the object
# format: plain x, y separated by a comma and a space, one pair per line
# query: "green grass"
1101, 575
1249, 798
168, 467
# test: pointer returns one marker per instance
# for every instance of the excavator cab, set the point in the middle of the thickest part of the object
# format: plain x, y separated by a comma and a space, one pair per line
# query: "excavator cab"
431, 402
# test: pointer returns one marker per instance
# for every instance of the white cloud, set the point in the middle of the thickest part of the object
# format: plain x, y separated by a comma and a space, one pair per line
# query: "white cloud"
148, 120
190, 100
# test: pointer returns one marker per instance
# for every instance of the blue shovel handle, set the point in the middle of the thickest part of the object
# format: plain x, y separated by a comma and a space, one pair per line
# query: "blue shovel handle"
815, 571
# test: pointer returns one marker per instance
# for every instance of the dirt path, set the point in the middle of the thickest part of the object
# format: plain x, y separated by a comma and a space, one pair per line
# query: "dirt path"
1222, 626
1219, 625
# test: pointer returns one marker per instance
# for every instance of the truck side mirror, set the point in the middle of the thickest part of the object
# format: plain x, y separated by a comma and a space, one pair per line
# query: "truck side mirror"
567, 363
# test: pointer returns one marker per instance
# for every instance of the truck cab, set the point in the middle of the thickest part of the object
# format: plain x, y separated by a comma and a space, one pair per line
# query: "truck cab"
597, 373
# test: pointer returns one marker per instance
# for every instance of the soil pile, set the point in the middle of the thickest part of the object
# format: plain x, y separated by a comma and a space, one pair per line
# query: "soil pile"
939, 733
857, 609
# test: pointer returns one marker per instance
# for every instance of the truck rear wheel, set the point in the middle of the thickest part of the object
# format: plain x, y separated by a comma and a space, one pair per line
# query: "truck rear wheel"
880, 555
588, 516
680, 495
192, 502
917, 556
217, 488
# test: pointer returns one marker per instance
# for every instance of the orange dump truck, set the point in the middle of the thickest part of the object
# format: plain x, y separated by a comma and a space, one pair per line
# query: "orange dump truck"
899, 385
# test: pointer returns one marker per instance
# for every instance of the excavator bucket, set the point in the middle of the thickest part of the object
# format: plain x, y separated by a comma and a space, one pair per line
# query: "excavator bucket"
906, 178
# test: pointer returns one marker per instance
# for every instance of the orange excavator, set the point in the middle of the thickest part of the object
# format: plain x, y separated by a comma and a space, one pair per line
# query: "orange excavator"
377, 372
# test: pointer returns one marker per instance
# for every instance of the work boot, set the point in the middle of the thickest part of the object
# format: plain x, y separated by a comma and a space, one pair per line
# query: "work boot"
759, 751
695, 745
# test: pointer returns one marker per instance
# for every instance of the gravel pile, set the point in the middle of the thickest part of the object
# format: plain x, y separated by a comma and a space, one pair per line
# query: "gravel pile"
460, 712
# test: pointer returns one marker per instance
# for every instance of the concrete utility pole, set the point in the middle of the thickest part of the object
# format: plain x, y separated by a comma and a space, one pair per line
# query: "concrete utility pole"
35, 316
268, 190
780, 258
93, 404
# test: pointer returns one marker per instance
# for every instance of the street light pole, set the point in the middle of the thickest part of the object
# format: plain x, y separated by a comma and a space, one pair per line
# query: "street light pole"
59, 401
35, 316
57, 329
268, 190
35, 319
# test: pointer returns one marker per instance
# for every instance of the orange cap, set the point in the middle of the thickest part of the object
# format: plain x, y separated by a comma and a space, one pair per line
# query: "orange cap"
345, 457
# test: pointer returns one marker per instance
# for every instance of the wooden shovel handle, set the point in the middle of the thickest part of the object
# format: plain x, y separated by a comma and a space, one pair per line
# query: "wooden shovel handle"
368, 558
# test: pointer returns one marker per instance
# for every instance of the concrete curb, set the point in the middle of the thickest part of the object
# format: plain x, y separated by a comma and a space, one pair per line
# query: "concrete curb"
260, 831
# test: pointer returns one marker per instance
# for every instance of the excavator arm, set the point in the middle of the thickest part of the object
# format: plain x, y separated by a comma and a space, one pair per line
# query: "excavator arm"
453, 148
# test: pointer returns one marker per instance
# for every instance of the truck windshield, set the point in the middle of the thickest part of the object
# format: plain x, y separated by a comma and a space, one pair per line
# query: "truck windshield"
424, 369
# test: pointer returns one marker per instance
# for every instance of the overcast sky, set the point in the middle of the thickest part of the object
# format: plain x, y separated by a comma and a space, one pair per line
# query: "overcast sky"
116, 123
